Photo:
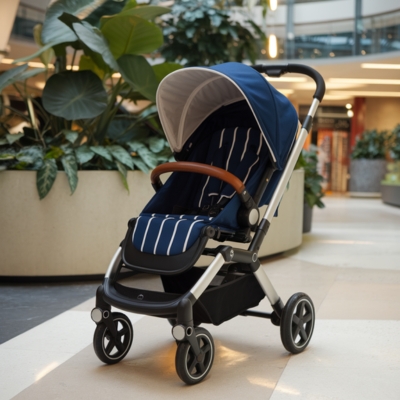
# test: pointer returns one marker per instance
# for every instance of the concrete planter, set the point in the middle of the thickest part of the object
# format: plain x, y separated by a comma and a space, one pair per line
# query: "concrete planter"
391, 194
365, 177
77, 235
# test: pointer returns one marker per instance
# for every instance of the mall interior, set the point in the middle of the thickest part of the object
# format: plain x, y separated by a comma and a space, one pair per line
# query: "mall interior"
348, 263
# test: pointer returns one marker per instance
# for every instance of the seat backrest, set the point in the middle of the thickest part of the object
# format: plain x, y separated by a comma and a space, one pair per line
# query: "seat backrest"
237, 150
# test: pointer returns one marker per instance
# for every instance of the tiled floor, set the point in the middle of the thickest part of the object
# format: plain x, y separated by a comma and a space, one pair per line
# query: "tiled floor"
350, 267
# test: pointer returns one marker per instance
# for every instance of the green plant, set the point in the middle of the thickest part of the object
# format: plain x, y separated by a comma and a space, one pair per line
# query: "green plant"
372, 145
308, 160
394, 143
201, 32
80, 122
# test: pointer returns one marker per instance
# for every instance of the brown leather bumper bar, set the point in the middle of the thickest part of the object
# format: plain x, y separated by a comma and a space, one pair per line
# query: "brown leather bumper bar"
198, 168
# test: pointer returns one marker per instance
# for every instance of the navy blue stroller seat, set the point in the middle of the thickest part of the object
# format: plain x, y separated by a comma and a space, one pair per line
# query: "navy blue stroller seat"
174, 221
237, 150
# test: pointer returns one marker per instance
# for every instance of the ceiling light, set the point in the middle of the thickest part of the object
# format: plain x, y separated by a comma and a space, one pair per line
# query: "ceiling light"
380, 66
272, 46
350, 113
349, 106
273, 4
366, 93
366, 81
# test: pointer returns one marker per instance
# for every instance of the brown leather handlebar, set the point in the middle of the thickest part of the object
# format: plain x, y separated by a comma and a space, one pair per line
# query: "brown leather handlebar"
198, 168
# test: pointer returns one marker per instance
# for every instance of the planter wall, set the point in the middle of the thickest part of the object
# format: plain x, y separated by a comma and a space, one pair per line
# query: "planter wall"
77, 235
365, 177
391, 194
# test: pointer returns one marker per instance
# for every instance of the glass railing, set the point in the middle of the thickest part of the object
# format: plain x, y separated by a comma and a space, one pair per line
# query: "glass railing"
27, 17
379, 34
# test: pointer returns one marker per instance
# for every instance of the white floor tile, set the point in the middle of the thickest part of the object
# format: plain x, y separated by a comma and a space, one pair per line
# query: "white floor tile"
345, 360
27, 358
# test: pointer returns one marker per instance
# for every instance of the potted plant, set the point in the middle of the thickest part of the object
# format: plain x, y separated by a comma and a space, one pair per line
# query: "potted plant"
390, 186
76, 129
368, 164
203, 33
80, 122
308, 161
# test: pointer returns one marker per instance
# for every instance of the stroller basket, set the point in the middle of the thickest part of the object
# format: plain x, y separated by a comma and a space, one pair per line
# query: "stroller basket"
229, 295
236, 140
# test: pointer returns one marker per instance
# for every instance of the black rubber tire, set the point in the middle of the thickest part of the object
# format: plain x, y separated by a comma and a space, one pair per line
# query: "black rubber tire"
105, 347
190, 370
297, 323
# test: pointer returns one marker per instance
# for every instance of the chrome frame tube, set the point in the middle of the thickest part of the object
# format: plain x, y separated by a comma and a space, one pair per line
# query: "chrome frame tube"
266, 285
313, 108
113, 263
201, 285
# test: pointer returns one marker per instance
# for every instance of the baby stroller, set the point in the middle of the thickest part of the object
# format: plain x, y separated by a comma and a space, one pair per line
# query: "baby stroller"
236, 141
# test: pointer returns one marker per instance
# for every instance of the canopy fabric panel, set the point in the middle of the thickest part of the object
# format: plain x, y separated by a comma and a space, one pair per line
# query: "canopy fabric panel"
186, 97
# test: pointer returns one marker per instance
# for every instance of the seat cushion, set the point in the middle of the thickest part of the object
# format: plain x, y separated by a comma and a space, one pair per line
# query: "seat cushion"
167, 234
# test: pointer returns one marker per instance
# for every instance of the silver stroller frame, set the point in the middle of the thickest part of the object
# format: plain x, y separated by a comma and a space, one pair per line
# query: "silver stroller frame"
296, 318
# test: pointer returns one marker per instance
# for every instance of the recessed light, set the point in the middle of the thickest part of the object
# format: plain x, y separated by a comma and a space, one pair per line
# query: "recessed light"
366, 81
380, 66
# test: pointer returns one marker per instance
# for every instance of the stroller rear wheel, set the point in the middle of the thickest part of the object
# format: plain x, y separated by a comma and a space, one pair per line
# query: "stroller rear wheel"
111, 349
192, 369
297, 323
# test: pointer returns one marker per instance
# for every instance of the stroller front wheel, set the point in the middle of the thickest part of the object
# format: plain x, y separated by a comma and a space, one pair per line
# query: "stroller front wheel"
111, 349
192, 369
297, 323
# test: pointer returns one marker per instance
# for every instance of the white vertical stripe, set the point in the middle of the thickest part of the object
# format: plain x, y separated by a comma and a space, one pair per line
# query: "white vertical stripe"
173, 235
145, 233
202, 192
232, 146
188, 235
221, 138
245, 145
159, 234
136, 224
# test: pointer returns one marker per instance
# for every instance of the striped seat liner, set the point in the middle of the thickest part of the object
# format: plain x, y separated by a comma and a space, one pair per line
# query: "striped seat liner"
236, 150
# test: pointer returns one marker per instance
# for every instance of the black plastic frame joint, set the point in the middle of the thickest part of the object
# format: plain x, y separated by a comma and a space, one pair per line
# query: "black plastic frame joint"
278, 307
307, 124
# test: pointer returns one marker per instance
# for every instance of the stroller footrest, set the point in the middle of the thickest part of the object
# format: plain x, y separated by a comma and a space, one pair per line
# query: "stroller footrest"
141, 301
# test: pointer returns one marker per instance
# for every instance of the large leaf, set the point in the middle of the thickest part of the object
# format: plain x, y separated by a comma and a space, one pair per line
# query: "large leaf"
10, 76
102, 151
140, 165
123, 173
96, 42
31, 73
83, 154
122, 130
71, 169
87, 63
74, 95
45, 177
120, 154
139, 74
31, 155
56, 31
148, 156
47, 55
164, 69
145, 12
109, 7
131, 35
156, 144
